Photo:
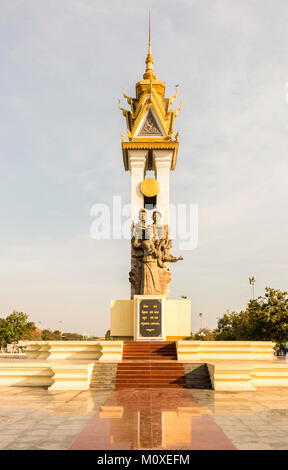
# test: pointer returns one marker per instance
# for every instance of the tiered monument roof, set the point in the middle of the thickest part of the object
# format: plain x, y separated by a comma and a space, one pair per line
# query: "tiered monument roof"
150, 121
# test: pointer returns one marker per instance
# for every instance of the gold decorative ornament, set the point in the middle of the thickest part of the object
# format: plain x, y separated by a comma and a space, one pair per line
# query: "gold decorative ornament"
150, 187
150, 118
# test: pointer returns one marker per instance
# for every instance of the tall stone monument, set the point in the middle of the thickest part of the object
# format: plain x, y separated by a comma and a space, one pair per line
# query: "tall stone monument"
150, 313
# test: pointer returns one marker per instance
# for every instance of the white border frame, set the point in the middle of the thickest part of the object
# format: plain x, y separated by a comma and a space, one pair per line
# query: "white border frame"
163, 133
162, 337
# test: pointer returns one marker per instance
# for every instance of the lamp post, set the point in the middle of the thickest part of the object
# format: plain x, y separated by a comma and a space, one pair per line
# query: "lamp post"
252, 281
200, 316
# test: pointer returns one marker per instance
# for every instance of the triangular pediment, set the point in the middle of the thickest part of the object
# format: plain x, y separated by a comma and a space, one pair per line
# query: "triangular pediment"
150, 126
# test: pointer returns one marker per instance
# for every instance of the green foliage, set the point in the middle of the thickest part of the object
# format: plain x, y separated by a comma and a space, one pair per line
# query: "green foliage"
32, 334
266, 319
72, 337
269, 316
5, 332
49, 335
14, 327
233, 327
204, 334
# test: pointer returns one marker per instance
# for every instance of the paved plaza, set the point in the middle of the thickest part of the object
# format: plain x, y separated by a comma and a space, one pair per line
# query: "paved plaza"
33, 418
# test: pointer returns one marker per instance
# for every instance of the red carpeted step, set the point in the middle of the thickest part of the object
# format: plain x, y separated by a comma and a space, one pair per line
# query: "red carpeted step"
150, 365
145, 385
149, 350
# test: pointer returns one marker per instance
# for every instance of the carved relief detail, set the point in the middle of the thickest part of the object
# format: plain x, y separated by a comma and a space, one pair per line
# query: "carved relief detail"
150, 126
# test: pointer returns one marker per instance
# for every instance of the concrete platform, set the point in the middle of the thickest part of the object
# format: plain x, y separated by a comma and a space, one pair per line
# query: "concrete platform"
232, 366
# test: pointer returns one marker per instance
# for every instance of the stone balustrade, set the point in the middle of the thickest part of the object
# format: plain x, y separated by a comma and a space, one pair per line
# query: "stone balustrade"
25, 374
191, 351
75, 350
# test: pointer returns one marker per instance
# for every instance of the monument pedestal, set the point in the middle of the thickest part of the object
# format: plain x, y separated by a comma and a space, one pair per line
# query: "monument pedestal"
150, 317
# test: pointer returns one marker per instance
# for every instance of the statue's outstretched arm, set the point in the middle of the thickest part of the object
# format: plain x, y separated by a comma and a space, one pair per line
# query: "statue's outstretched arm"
172, 259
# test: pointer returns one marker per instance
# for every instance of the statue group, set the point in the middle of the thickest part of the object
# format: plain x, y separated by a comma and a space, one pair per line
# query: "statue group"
150, 254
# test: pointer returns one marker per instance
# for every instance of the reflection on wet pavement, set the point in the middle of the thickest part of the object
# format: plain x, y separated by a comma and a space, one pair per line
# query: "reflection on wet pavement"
33, 418
152, 419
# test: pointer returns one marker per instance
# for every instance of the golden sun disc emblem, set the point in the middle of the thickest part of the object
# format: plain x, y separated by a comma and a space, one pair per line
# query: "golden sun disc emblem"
150, 187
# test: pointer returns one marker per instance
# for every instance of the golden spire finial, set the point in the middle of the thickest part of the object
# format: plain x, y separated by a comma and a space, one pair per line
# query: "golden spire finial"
149, 73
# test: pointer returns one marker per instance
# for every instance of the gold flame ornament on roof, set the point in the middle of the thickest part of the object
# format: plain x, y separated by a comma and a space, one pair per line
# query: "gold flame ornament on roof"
150, 116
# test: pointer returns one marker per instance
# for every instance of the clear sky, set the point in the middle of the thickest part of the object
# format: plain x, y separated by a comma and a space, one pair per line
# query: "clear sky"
63, 66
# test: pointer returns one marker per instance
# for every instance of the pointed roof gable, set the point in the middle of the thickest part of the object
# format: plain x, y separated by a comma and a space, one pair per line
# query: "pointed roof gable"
150, 126
149, 119
150, 93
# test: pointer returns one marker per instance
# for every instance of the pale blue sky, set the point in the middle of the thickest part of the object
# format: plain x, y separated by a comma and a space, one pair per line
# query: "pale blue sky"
63, 65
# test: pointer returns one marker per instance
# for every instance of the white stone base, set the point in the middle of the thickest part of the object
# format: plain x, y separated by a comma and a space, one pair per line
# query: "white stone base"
177, 318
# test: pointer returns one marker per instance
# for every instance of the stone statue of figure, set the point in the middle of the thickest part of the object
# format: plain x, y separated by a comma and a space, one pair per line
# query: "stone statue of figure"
149, 277
150, 254
158, 229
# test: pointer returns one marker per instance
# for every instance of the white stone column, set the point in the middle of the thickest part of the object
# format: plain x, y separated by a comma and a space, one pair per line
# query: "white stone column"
137, 164
162, 165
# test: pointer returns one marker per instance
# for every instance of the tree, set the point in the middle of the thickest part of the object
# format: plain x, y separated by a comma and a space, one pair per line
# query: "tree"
266, 319
49, 335
18, 321
232, 327
3, 332
72, 337
268, 316
32, 334
13, 327
204, 334
17, 326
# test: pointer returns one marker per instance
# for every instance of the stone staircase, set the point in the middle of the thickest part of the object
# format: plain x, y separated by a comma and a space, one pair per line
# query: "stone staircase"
150, 364
149, 350
197, 376
103, 376
150, 375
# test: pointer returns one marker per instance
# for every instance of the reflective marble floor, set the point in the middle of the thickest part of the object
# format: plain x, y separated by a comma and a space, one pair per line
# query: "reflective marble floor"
33, 418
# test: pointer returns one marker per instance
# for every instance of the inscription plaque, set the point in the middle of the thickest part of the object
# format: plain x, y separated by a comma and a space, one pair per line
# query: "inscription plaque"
150, 318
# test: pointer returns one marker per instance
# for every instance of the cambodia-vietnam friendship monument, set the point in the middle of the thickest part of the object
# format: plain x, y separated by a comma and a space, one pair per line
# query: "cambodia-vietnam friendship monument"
150, 343
150, 313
